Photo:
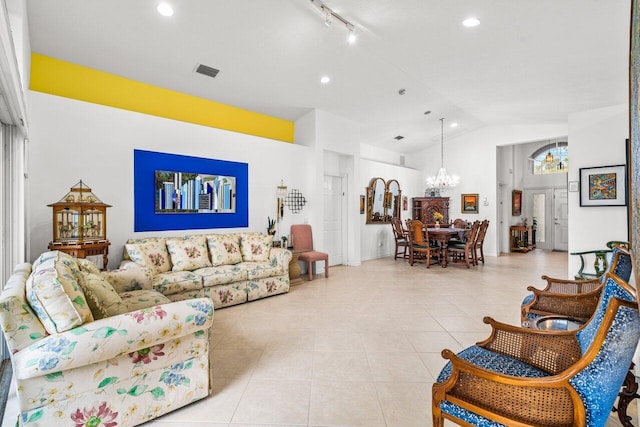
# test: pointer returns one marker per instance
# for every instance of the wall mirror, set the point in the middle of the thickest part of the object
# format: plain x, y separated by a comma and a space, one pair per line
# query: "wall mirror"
393, 197
375, 201
383, 201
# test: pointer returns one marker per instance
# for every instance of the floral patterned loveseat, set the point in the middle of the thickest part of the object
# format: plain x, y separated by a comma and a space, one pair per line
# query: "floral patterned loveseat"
229, 268
84, 355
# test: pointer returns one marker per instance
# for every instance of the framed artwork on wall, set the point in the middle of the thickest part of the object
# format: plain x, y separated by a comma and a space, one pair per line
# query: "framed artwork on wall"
516, 202
177, 192
603, 186
469, 203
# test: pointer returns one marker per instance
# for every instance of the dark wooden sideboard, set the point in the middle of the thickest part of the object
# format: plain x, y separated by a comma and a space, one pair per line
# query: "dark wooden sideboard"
422, 208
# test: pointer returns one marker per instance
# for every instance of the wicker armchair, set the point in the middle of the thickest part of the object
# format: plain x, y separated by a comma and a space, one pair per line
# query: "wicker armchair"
576, 299
521, 376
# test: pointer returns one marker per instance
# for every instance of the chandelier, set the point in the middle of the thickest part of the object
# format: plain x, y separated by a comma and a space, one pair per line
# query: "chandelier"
442, 181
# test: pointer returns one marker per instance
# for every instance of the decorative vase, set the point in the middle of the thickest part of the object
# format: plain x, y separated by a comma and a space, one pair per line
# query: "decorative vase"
437, 224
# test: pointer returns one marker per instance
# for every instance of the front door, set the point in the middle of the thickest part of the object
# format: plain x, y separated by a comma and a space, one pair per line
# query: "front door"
560, 220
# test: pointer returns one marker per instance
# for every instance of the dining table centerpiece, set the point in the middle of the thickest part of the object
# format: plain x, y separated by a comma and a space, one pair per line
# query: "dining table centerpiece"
437, 217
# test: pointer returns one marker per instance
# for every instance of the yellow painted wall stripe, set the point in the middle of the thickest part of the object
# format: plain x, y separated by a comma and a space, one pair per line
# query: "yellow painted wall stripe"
61, 78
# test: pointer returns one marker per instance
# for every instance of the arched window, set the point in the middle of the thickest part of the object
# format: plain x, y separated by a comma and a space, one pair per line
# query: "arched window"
552, 158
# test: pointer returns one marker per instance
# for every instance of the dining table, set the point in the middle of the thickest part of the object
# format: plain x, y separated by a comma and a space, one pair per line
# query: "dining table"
442, 235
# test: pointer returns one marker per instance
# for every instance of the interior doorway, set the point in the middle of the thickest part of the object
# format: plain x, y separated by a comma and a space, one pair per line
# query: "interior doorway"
334, 197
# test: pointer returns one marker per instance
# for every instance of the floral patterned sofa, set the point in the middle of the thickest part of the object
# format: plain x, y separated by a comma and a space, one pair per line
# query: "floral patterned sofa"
229, 268
82, 354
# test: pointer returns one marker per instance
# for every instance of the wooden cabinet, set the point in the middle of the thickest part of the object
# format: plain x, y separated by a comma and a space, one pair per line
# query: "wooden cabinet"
523, 238
422, 208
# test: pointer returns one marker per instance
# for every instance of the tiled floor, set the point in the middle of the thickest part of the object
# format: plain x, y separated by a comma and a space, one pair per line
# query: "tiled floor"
360, 348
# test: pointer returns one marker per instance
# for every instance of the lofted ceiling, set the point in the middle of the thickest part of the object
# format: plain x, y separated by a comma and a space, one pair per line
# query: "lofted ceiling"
528, 62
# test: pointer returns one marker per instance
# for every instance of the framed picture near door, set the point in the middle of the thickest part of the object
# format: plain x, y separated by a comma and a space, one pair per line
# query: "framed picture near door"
516, 202
470, 203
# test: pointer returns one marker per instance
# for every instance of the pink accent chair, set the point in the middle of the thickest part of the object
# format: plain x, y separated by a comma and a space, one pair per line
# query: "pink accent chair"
303, 243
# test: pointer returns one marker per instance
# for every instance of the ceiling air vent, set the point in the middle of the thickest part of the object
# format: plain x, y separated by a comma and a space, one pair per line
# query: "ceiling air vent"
399, 137
207, 71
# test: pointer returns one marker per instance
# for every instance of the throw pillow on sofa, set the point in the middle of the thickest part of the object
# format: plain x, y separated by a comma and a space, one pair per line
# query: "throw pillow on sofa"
150, 254
255, 247
189, 253
103, 300
56, 298
224, 249
87, 266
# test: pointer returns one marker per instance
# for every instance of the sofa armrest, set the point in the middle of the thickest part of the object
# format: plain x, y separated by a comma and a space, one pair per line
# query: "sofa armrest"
280, 257
108, 338
130, 277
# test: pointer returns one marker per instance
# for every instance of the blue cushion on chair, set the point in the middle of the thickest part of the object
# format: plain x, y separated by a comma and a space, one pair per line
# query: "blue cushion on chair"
527, 299
468, 416
495, 362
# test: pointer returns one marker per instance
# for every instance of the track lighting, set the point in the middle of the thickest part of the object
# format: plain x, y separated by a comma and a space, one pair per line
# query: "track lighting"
330, 17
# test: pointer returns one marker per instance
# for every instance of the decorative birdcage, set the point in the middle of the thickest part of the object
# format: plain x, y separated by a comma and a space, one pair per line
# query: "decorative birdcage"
79, 217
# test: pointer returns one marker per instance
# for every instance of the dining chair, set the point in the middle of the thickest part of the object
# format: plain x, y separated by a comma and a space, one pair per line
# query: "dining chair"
303, 243
459, 223
521, 376
401, 238
478, 246
465, 250
419, 243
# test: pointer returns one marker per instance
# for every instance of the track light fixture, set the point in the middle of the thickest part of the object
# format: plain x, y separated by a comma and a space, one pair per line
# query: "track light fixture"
330, 17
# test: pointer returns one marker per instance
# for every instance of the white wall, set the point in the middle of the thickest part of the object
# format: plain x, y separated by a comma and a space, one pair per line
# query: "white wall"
376, 240
596, 138
72, 140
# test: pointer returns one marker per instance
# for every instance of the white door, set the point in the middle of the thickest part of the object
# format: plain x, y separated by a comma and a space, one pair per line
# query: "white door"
560, 220
333, 211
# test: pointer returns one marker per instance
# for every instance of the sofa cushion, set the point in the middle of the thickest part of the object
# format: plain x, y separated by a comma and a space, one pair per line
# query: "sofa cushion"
255, 247
161, 240
103, 300
137, 300
223, 274
172, 283
189, 253
224, 249
150, 254
259, 270
56, 297
130, 278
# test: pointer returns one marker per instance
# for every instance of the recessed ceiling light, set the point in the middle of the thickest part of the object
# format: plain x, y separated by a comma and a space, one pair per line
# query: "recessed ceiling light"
454, 125
471, 22
325, 79
352, 37
165, 9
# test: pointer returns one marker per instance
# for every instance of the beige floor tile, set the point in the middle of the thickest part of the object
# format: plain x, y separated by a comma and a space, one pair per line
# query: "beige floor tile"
425, 342
385, 341
345, 404
338, 341
341, 366
284, 365
405, 404
398, 366
275, 402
